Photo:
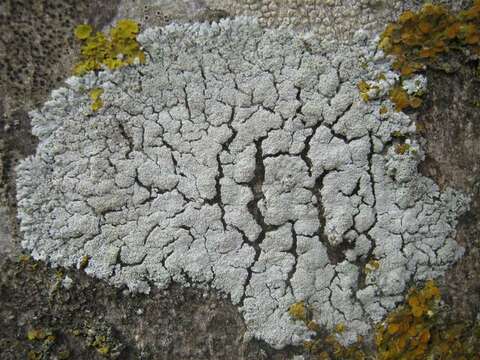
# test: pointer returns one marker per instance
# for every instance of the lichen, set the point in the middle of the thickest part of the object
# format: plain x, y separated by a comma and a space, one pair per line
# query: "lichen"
399, 96
416, 331
372, 265
119, 50
84, 260
298, 311
423, 38
402, 148
95, 96
232, 169
101, 345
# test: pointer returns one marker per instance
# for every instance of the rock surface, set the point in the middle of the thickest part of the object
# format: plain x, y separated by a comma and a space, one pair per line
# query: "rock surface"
450, 125
244, 160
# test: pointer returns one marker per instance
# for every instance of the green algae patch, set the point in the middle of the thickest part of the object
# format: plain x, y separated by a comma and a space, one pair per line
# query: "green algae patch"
117, 50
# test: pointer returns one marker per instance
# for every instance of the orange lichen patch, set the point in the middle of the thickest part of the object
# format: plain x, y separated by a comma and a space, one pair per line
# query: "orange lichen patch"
399, 96
120, 49
406, 332
418, 38
416, 331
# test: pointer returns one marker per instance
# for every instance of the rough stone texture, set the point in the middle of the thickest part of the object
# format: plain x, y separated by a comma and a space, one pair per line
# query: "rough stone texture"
452, 129
174, 324
331, 19
243, 160
36, 51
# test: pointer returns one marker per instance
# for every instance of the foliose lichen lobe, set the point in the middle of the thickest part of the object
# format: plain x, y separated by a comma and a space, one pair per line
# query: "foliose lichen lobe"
243, 160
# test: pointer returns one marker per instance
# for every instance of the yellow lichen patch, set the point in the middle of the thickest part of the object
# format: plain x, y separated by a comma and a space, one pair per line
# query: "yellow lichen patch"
95, 96
120, 49
24, 258
36, 334
402, 149
417, 39
33, 355
420, 128
416, 331
84, 262
100, 343
83, 31
64, 355
364, 88
104, 350
326, 347
298, 311
340, 328
372, 265
312, 325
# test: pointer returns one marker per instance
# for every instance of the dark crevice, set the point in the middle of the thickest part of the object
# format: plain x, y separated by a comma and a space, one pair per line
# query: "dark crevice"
187, 105
299, 99
127, 138
226, 144
256, 185
304, 153
217, 200
293, 251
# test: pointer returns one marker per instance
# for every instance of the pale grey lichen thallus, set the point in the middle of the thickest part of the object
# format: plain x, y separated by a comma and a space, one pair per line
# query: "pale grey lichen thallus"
242, 160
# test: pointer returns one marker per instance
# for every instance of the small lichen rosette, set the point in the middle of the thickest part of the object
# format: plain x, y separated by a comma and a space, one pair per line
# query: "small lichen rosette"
242, 160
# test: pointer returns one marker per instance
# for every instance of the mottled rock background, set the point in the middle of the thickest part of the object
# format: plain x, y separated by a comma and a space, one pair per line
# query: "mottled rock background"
37, 51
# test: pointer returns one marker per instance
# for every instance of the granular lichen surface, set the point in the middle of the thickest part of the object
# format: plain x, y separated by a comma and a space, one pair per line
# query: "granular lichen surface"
242, 160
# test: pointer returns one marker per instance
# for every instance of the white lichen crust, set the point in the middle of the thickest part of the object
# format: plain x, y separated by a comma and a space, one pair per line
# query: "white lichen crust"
242, 160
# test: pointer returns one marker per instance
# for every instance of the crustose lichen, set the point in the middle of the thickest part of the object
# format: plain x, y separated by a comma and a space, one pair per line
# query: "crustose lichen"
98, 51
121, 49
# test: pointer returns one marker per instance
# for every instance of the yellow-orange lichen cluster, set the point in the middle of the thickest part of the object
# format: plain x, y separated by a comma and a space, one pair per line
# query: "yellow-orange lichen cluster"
418, 38
96, 97
406, 331
323, 346
402, 99
421, 39
121, 49
416, 331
